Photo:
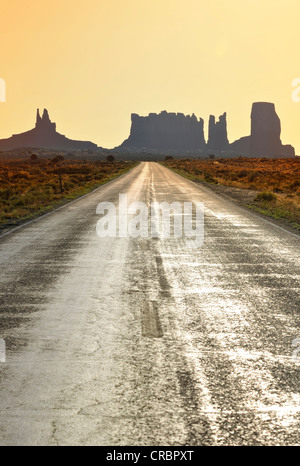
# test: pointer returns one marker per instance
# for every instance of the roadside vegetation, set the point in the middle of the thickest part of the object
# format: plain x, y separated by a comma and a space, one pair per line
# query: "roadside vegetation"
275, 183
31, 187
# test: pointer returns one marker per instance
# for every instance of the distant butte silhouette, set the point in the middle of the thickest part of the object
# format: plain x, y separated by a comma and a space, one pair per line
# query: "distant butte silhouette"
171, 133
264, 140
44, 135
166, 131
175, 132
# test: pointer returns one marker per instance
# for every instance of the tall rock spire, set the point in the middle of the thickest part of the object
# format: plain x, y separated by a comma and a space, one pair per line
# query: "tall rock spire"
38, 118
45, 117
44, 124
217, 138
265, 130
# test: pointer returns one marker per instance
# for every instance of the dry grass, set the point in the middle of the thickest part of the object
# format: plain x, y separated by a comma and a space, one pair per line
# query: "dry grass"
277, 181
30, 187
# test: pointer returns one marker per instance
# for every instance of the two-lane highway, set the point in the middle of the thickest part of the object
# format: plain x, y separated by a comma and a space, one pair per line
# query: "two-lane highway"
143, 341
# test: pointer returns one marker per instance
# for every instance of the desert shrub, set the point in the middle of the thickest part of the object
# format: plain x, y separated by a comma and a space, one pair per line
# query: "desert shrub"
197, 171
36, 171
68, 185
53, 187
19, 202
253, 175
74, 179
233, 176
58, 158
266, 196
295, 184
103, 171
81, 178
5, 193
209, 178
48, 191
242, 174
22, 174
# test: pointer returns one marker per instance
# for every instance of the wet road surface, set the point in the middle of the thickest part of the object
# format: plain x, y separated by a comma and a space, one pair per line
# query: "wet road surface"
143, 341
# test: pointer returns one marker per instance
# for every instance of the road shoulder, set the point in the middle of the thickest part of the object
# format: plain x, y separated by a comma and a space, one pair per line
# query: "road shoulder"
243, 198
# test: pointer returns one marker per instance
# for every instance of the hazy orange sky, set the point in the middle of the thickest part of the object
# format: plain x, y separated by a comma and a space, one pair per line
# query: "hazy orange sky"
92, 63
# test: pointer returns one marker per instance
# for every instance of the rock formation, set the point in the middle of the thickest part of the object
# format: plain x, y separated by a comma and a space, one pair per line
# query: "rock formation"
44, 135
44, 124
171, 133
265, 130
264, 140
175, 132
217, 133
241, 146
166, 131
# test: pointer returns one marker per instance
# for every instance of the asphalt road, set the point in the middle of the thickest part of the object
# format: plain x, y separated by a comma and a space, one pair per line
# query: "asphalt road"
144, 341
